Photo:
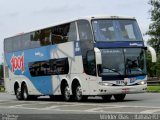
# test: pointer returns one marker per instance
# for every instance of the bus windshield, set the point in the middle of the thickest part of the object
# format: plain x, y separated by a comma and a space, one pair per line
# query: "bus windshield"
123, 61
116, 30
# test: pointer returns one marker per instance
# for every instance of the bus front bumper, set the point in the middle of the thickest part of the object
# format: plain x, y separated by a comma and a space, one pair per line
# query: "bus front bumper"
111, 90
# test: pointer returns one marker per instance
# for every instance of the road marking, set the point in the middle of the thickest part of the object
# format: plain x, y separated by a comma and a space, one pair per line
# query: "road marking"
58, 106
16, 106
49, 108
150, 111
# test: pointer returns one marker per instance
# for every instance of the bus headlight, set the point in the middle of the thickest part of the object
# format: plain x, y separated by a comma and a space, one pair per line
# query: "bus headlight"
105, 84
142, 82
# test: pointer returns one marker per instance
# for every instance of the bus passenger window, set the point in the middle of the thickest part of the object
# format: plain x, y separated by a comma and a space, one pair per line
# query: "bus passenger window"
35, 39
8, 45
49, 67
45, 37
60, 34
72, 34
84, 30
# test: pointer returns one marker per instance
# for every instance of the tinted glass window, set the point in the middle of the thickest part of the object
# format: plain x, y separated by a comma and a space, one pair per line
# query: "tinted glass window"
104, 30
17, 43
110, 64
8, 45
72, 34
25, 41
84, 30
116, 30
135, 61
131, 61
60, 33
49, 67
34, 40
41, 38
44, 37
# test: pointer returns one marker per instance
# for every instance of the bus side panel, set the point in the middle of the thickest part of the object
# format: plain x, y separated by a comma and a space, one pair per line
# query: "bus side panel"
18, 63
75, 65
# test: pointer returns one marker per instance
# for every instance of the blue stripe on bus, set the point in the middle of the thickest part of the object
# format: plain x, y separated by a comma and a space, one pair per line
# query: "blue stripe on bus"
139, 77
42, 83
119, 44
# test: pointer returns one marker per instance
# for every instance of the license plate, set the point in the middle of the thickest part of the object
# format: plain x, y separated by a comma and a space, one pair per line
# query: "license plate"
120, 82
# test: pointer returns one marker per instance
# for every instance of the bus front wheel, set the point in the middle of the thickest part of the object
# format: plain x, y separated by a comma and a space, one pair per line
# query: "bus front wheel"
78, 94
106, 97
119, 97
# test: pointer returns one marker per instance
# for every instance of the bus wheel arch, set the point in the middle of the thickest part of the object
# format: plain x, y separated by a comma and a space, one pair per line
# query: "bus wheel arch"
65, 90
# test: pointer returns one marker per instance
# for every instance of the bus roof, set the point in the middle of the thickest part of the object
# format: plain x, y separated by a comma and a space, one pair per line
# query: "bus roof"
89, 18
105, 17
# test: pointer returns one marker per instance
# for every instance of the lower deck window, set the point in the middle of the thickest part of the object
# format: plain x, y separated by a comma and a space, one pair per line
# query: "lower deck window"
49, 67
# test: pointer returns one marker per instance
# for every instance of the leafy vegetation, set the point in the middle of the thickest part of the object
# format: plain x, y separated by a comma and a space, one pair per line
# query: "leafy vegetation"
153, 88
154, 41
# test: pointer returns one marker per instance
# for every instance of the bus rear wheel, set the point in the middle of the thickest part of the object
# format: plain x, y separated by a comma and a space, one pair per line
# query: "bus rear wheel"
25, 92
66, 93
119, 97
18, 94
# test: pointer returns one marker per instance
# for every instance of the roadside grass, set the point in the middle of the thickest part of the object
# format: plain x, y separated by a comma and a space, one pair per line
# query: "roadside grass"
155, 88
2, 89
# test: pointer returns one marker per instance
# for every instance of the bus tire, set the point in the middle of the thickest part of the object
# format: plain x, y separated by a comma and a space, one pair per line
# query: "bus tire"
25, 92
32, 97
66, 93
119, 97
78, 94
18, 94
106, 97
52, 97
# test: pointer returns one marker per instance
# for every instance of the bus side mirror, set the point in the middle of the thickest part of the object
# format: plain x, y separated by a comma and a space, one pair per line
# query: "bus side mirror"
153, 54
98, 56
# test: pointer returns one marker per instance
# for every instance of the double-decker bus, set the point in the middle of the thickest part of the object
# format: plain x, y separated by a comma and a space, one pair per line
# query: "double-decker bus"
92, 56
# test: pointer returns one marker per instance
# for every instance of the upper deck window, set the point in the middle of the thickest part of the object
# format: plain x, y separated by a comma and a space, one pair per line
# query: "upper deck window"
116, 30
84, 30
52, 35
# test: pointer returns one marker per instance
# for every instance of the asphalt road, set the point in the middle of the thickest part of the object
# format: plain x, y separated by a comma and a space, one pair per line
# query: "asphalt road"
146, 103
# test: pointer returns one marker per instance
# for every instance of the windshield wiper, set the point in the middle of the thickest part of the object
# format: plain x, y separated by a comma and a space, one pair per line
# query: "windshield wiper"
138, 69
113, 70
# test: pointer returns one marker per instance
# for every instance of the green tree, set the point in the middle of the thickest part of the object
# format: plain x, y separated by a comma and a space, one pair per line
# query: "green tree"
150, 66
154, 27
154, 41
157, 67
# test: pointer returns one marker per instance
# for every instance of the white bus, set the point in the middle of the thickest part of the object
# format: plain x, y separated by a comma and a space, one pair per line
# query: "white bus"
93, 56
